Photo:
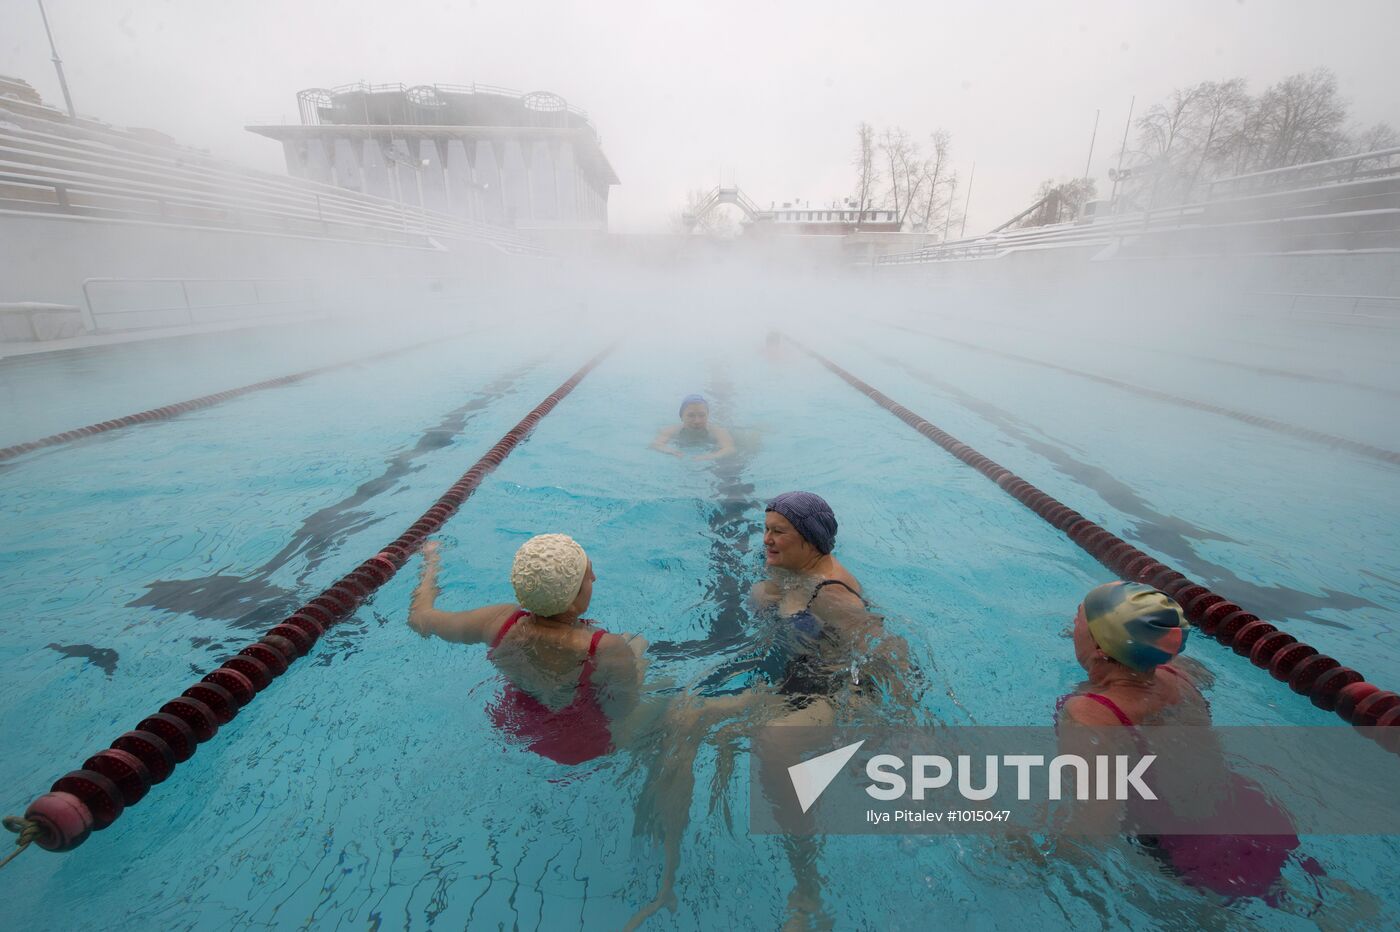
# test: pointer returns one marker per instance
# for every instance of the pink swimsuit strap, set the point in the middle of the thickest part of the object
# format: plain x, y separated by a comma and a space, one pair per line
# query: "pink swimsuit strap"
505, 628
585, 675
1112, 706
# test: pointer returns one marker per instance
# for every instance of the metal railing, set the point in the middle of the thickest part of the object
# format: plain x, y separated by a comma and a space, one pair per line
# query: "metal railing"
53, 168
126, 304
1348, 168
985, 247
311, 117
1319, 185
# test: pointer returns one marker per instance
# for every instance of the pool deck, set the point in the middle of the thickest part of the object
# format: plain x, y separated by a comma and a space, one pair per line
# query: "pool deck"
99, 340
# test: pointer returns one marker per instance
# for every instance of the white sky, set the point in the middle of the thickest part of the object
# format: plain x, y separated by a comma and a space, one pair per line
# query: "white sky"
764, 93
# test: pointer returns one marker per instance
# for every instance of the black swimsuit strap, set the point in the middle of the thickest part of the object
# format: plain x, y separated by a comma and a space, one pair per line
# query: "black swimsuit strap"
833, 582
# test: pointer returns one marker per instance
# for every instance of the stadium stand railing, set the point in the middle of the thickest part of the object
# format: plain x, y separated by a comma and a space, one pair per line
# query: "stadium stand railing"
1350, 204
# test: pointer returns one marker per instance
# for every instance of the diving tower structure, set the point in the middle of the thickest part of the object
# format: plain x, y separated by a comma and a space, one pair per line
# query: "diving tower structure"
527, 161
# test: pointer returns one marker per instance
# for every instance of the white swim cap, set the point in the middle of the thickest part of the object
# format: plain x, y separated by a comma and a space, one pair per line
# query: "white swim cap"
547, 573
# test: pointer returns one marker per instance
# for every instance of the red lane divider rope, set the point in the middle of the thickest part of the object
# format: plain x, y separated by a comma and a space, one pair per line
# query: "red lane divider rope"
91, 798
1325, 680
1282, 427
194, 404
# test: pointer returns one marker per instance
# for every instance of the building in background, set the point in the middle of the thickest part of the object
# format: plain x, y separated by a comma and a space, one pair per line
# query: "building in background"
528, 161
837, 219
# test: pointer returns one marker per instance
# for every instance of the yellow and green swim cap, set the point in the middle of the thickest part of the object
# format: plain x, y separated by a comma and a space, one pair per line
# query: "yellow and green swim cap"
1135, 624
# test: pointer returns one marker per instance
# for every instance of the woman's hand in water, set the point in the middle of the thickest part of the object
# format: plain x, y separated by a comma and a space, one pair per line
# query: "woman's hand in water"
426, 594
418, 623
432, 562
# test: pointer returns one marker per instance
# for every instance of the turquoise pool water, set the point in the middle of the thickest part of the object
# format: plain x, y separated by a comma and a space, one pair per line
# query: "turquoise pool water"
365, 789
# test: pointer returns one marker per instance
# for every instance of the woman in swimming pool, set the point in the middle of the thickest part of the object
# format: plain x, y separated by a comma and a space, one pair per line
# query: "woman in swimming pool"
1125, 635
1128, 637
570, 686
827, 632
825, 640
694, 432
574, 692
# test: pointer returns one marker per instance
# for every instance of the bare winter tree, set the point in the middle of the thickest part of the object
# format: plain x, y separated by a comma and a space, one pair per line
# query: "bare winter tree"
936, 179
867, 172
1215, 129
1058, 201
1223, 110
952, 216
1165, 125
906, 176
1373, 139
1301, 119
1163, 132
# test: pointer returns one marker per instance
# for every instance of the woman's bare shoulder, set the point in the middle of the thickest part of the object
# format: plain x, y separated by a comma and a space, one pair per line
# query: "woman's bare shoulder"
843, 575
1082, 710
765, 592
618, 659
490, 619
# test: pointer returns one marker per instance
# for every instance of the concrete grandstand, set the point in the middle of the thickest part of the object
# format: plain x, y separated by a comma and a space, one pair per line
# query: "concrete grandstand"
111, 230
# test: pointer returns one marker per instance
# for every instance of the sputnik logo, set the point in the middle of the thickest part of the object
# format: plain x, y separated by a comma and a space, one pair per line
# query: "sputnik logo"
811, 777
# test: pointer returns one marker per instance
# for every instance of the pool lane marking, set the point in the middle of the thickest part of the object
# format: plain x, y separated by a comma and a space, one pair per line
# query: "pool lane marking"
195, 715
1268, 423
1328, 683
1121, 498
194, 404
325, 530
1233, 364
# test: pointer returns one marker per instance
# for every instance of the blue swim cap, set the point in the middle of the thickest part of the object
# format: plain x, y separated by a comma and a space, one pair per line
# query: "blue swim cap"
810, 515
689, 400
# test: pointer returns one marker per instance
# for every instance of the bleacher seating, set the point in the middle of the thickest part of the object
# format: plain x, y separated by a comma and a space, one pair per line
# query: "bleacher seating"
53, 165
1342, 205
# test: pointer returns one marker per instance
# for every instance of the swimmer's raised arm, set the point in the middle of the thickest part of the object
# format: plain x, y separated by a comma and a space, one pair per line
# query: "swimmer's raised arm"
476, 626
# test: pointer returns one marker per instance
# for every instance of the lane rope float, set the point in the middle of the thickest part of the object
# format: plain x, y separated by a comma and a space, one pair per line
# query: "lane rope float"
194, 404
1325, 680
91, 798
1256, 420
